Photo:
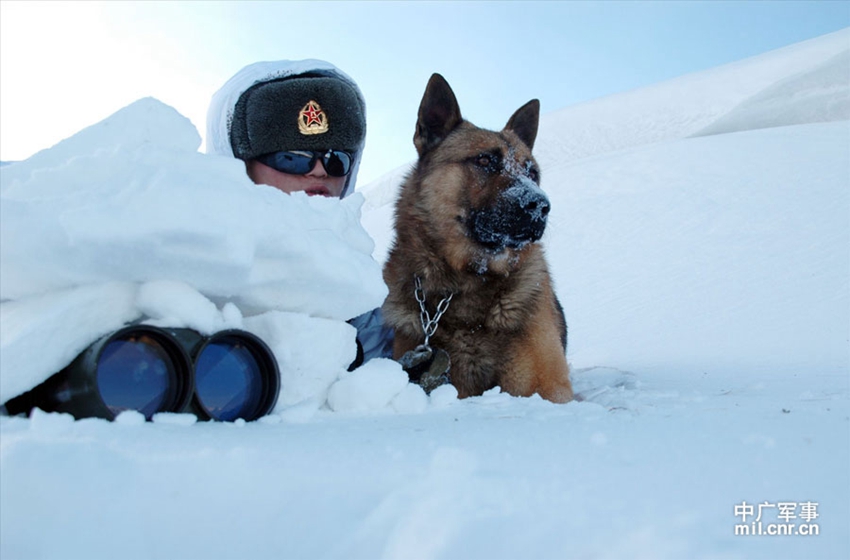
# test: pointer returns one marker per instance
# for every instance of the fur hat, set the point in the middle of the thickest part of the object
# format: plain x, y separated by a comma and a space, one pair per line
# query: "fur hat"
305, 112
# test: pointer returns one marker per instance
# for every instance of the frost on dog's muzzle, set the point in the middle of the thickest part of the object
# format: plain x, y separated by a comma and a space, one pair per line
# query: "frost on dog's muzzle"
517, 219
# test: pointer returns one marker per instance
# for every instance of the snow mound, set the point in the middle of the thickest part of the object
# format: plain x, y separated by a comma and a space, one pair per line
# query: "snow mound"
138, 125
148, 210
129, 209
370, 387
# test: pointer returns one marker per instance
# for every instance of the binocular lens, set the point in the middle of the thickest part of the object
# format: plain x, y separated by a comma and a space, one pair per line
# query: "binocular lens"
225, 376
134, 373
228, 380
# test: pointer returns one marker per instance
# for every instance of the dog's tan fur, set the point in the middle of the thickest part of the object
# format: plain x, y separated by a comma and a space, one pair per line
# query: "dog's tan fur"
504, 326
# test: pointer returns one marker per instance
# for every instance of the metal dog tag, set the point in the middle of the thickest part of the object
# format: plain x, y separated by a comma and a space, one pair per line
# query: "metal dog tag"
427, 366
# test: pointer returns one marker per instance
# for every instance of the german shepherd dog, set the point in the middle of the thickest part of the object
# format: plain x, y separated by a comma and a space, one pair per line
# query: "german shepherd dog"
467, 222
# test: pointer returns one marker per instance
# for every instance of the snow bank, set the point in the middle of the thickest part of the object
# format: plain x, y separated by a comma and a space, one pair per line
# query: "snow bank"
191, 239
150, 210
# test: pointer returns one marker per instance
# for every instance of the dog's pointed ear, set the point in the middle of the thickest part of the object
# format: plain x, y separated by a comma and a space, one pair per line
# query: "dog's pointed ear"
524, 122
439, 114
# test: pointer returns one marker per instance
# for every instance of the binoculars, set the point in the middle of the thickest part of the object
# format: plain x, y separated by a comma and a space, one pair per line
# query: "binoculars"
229, 375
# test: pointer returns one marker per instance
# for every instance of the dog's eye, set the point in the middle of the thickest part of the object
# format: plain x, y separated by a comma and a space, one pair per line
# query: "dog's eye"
489, 162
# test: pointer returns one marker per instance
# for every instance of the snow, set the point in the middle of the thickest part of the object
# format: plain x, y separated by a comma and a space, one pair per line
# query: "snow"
699, 240
101, 230
372, 387
743, 237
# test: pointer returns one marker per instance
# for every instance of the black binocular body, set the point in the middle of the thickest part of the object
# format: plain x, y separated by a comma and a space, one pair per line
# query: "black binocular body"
229, 375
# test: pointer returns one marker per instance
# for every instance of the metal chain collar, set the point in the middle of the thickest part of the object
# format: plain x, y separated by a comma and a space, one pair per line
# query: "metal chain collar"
429, 325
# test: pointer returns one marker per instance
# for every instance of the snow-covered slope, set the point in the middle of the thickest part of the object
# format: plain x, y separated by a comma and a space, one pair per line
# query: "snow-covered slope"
695, 103
806, 82
700, 244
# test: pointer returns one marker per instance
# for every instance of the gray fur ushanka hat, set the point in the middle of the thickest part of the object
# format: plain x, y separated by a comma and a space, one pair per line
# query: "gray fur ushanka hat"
304, 112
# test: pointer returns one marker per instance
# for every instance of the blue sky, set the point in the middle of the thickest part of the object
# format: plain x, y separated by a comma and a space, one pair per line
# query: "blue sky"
66, 65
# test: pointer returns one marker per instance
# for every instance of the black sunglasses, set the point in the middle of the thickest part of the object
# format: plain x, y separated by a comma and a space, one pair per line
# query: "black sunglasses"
336, 162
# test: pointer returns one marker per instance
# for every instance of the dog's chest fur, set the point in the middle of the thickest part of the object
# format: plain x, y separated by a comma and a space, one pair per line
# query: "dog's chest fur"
483, 324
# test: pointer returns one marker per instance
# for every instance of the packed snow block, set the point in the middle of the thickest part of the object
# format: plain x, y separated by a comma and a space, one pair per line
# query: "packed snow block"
103, 207
167, 303
411, 400
40, 335
370, 387
444, 395
139, 124
311, 353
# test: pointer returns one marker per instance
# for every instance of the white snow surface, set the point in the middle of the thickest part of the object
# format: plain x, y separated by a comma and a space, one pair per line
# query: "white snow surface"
699, 241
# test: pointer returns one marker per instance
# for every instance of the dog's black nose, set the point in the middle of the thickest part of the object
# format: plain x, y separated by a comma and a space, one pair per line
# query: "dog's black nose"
537, 204
518, 218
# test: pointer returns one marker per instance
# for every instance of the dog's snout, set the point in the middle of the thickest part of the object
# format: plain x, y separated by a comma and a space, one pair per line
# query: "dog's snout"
518, 218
